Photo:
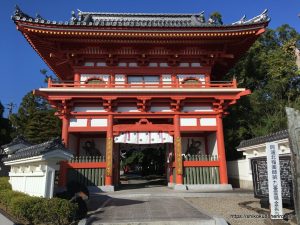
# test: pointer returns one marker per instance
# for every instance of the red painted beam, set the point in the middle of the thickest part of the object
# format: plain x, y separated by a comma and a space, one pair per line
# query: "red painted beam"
85, 165
200, 163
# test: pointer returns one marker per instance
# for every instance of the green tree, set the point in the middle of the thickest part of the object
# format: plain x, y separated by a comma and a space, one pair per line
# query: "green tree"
35, 120
269, 70
216, 18
5, 128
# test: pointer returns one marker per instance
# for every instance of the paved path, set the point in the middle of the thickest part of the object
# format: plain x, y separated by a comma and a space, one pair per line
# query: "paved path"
148, 210
148, 202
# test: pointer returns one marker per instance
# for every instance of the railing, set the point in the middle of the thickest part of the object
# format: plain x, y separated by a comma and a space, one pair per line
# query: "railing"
87, 170
201, 169
211, 84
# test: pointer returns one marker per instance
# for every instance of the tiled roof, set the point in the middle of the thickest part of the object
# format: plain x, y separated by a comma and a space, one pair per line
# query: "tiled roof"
16, 141
36, 150
283, 134
137, 19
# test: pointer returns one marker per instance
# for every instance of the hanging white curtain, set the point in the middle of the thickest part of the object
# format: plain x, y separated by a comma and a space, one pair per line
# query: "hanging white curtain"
144, 138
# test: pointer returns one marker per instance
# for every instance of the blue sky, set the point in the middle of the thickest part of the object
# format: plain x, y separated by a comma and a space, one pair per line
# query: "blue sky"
20, 65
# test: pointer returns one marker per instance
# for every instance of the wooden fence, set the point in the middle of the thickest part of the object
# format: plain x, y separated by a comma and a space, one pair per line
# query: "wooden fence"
201, 169
87, 170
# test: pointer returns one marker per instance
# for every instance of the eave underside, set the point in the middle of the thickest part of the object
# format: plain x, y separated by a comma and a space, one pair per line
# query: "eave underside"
63, 49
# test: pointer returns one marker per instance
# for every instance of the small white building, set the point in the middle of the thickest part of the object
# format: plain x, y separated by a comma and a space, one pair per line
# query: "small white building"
33, 166
239, 171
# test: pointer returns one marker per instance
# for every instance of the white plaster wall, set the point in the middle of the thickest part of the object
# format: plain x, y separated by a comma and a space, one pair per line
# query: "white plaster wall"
101, 64
100, 145
195, 65
184, 64
89, 64
127, 109
153, 64
163, 65
89, 109
98, 122
239, 171
160, 109
208, 122
188, 141
166, 79
132, 64
188, 122
212, 144
197, 109
120, 79
200, 77
260, 149
84, 77
30, 182
78, 122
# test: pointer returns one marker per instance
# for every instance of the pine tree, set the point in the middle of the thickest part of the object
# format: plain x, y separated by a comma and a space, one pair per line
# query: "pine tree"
35, 120
5, 128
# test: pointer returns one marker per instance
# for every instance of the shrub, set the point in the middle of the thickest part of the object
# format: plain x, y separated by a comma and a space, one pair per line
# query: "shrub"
36, 210
55, 211
25, 207
7, 195
4, 183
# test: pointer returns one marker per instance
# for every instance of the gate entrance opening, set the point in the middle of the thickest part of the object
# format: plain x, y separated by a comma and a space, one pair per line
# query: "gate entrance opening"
142, 165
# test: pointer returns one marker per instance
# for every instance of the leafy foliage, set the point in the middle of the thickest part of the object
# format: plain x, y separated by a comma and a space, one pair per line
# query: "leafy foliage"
35, 120
35, 210
269, 70
5, 128
216, 18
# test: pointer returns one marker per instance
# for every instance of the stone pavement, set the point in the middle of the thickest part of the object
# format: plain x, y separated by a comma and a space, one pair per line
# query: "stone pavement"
149, 209
152, 203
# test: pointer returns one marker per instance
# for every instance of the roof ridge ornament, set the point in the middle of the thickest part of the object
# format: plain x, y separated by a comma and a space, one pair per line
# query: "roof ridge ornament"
73, 17
241, 21
198, 20
260, 18
55, 143
19, 13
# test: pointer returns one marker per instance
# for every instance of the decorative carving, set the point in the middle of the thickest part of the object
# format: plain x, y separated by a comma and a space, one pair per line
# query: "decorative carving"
109, 150
260, 18
18, 12
178, 151
55, 143
73, 18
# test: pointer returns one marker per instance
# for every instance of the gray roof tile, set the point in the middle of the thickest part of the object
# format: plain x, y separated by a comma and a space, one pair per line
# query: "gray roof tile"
263, 139
36, 150
139, 19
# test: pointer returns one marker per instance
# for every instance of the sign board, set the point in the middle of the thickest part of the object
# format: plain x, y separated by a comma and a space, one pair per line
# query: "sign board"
274, 181
260, 178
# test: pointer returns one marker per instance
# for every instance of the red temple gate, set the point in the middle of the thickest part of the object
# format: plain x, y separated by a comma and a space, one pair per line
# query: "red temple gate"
142, 74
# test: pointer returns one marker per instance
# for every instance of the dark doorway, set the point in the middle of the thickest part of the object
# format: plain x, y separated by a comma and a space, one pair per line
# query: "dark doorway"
142, 166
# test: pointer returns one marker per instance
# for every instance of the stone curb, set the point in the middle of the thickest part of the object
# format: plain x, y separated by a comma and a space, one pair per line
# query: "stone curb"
5, 220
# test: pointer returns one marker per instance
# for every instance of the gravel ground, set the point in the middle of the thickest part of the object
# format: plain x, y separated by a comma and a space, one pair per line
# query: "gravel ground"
237, 210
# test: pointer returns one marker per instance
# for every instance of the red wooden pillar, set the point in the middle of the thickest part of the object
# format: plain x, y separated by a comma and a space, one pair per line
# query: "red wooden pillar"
177, 150
109, 151
221, 151
65, 130
77, 79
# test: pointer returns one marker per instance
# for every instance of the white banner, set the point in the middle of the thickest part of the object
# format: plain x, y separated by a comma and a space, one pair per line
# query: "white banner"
144, 138
274, 181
